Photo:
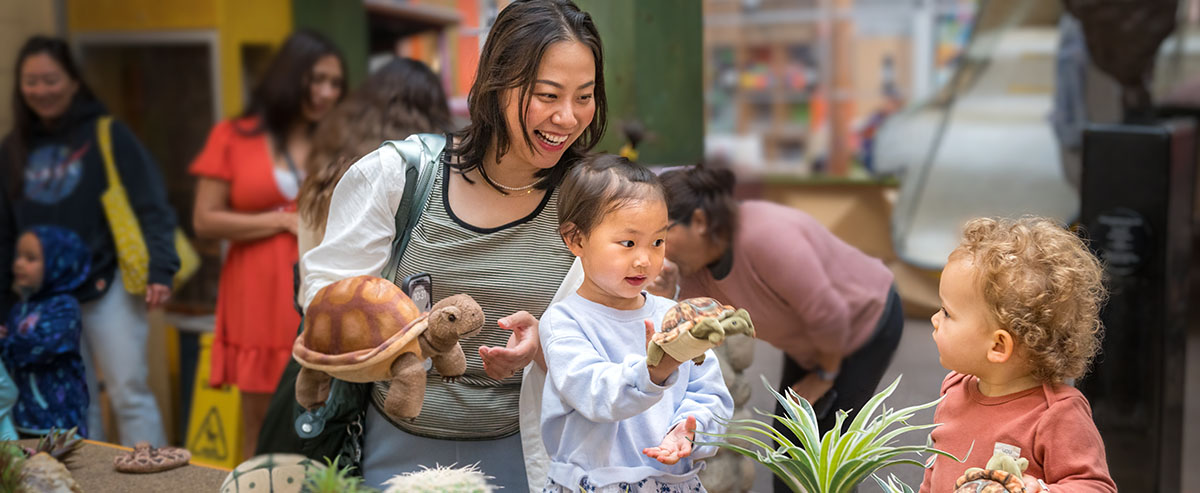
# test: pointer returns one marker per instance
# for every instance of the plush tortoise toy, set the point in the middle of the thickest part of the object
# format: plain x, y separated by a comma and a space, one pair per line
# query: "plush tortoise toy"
365, 329
1002, 475
694, 326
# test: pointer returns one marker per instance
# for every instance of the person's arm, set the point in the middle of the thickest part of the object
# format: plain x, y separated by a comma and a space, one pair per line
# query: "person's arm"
148, 196
56, 331
8, 240
361, 224
600, 390
706, 399
1071, 449
213, 217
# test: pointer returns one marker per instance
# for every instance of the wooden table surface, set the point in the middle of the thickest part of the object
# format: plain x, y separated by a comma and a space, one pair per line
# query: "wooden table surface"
92, 468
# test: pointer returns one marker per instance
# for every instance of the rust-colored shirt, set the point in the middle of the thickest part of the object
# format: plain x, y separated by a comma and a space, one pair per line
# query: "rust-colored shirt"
1050, 425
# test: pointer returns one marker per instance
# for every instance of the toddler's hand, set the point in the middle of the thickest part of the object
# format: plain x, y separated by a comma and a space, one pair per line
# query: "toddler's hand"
1032, 485
676, 445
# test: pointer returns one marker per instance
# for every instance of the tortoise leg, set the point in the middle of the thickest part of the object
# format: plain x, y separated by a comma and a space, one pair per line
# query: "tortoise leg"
312, 387
407, 392
451, 364
710, 329
654, 353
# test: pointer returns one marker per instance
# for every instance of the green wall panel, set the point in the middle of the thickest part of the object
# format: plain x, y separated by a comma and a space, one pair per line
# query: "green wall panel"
653, 54
342, 21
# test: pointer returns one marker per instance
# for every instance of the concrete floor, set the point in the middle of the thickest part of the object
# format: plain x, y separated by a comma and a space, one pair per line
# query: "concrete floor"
916, 359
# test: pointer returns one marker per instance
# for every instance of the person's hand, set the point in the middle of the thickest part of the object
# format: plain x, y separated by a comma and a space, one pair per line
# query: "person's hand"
676, 445
3, 331
157, 295
288, 221
1032, 485
522, 347
812, 387
666, 282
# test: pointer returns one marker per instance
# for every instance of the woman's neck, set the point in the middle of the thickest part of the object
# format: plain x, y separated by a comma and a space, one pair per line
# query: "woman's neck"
508, 171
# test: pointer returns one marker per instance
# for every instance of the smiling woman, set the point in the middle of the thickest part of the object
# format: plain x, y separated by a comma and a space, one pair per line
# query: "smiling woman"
536, 106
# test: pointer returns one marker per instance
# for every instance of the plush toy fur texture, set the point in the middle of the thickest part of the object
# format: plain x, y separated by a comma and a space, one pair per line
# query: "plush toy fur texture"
441, 479
694, 326
339, 348
1002, 475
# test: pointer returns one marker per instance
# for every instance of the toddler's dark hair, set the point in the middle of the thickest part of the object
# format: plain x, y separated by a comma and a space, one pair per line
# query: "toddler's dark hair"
598, 185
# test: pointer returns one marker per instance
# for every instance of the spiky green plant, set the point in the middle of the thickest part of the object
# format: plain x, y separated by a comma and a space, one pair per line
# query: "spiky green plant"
12, 461
334, 479
893, 484
60, 444
838, 461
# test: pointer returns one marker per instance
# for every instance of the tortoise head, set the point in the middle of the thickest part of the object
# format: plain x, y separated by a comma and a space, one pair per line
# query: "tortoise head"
454, 318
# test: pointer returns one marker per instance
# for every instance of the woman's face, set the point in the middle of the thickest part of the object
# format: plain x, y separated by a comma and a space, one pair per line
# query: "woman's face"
46, 86
324, 88
560, 107
688, 245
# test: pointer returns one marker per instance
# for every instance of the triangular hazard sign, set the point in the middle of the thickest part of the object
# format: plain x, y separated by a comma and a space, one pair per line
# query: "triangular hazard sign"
209, 440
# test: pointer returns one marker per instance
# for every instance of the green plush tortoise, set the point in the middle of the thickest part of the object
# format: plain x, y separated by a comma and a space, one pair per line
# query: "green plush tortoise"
271, 473
694, 326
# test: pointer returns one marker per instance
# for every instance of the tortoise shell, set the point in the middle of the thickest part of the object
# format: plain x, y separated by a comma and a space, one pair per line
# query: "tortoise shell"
989, 481
684, 315
355, 321
277, 473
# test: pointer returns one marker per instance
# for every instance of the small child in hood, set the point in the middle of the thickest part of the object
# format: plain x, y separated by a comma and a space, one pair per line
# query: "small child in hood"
40, 340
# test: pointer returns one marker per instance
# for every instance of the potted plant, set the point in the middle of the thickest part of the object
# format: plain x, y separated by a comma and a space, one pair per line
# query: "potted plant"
837, 461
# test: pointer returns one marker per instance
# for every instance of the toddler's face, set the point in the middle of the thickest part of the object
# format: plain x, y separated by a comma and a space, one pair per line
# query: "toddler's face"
28, 264
962, 328
623, 254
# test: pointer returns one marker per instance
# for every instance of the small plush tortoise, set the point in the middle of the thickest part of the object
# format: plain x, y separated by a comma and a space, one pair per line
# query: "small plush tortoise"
365, 329
1002, 475
273, 473
694, 326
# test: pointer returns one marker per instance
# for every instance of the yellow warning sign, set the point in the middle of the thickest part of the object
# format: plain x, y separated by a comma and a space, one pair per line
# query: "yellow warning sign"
215, 423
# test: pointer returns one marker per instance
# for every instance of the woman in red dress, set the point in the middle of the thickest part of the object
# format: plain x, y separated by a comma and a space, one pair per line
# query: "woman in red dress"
249, 174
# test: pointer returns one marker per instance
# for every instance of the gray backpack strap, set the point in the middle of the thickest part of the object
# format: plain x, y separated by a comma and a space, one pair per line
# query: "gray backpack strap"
421, 155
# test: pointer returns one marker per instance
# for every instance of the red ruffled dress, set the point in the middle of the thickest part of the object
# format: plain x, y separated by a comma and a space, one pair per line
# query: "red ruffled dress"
256, 323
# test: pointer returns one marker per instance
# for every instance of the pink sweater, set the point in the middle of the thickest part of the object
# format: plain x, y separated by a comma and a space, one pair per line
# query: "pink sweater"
1051, 425
805, 289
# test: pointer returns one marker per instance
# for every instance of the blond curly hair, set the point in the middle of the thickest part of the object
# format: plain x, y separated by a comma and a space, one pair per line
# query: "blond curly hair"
1042, 285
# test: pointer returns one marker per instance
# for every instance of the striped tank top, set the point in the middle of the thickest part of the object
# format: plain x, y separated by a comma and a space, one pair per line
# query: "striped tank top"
518, 266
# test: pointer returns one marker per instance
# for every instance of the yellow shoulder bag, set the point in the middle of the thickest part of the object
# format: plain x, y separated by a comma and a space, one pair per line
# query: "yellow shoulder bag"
132, 256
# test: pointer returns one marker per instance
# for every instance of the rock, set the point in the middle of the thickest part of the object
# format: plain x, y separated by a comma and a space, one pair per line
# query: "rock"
43, 474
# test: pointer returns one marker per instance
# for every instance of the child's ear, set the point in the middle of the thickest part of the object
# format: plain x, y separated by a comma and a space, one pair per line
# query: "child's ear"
1003, 346
571, 237
699, 222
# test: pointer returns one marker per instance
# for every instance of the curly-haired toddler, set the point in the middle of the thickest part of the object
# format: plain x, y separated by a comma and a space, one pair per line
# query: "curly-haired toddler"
1019, 320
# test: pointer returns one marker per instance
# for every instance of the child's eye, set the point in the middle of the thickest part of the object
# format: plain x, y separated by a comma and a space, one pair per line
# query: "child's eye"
944, 312
626, 243
659, 242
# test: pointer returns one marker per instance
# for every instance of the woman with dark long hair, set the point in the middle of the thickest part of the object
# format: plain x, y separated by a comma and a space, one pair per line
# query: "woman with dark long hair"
250, 172
489, 229
53, 172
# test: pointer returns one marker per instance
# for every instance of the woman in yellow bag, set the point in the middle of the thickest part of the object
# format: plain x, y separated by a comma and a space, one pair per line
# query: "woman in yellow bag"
250, 172
54, 173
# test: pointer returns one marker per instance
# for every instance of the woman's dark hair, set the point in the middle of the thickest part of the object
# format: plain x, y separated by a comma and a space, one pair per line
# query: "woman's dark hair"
707, 187
598, 185
510, 59
279, 97
24, 118
402, 98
